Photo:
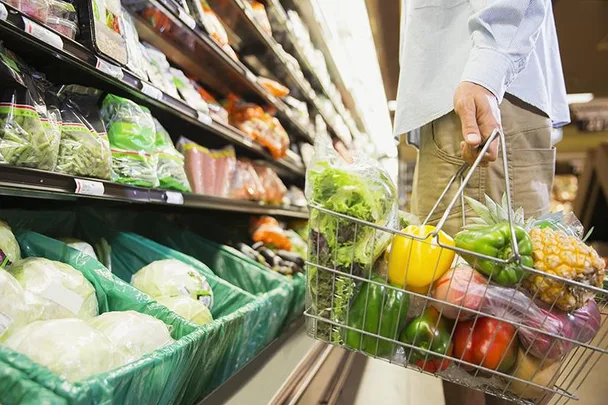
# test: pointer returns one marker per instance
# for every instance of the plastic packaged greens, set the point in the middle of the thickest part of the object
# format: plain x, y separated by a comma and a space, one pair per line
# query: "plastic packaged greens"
170, 163
83, 151
28, 136
188, 92
132, 140
136, 61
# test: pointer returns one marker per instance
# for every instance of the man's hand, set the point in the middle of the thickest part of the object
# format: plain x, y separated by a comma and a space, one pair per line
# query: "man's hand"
479, 114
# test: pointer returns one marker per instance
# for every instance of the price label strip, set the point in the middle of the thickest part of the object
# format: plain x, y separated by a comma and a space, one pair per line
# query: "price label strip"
89, 187
151, 91
187, 19
43, 34
204, 118
173, 197
109, 68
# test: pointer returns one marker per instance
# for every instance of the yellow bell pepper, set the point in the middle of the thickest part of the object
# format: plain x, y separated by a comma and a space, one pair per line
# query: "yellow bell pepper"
418, 263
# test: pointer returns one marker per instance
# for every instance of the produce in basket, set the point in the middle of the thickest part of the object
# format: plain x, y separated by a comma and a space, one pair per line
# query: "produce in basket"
487, 342
9, 248
540, 372
69, 347
133, 334
379, 310
414, 264
170, 278
428, 331
59, 290
188, 308
362, 190
464, 288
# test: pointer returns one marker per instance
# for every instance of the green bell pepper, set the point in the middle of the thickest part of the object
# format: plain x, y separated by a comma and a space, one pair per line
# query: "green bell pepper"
379, 310
495, 241
431, 332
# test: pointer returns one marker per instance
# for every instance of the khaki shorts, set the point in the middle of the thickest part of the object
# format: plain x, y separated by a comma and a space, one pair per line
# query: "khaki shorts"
530, 156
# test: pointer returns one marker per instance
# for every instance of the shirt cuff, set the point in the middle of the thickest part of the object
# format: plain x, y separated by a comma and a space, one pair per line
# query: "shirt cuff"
490, 69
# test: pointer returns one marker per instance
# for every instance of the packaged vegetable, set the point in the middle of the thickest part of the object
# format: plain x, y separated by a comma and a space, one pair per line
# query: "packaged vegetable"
28, 133
296, 197
132, 334
298, 245
188, 308
132, 136
80, 245
158, 70
431, 332
211, 23
108, 31
170, 163
274, 188
38, 9
14, 310
65, 27
362, 190
273, 87
259, 13
188, 92
246, 184
268, 231
217, 112
68, 347
209, 172
62, 9
59, 290
171, 278
83, 149
9, 248
135, 57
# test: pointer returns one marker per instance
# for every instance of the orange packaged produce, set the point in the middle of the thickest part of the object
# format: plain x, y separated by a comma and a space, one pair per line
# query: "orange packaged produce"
246, 184
273, 87
268, 231
274, 188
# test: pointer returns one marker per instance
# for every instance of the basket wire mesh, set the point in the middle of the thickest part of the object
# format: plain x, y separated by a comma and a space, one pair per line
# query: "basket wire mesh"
326, 321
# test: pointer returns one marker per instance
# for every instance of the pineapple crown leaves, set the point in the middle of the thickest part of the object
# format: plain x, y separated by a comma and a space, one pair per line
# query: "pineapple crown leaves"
492, 213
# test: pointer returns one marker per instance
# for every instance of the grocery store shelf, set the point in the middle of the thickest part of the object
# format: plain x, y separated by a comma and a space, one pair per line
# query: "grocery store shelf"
190, 47
24, 182
68, 61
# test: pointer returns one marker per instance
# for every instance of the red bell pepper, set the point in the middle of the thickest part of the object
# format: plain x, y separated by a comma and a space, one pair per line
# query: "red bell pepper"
488, 342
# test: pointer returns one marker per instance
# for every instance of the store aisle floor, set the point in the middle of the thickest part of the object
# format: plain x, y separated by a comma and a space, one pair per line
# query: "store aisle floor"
377, 382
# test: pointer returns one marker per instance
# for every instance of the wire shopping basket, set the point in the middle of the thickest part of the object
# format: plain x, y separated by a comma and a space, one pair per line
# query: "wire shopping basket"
523, 330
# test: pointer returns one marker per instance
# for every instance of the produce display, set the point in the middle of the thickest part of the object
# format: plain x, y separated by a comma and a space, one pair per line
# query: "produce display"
190, 309
460, 306
170, 163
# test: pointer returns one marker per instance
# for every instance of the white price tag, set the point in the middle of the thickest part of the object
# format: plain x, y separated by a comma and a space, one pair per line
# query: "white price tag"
173, 197
109, 68
187, 19
42, 33
204, 118
89, 187
151, 91
5, 322
249, 75
60, 295
3, 15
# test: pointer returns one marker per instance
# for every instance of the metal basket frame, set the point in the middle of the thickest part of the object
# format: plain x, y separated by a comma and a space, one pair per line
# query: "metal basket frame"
571, 368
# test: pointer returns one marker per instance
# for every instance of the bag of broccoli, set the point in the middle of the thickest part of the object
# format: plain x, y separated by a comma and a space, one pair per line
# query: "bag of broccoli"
28, 134
132, 139
84, 149
170, 163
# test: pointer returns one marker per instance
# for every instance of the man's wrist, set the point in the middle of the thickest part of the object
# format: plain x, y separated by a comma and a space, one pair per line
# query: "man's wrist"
489, 69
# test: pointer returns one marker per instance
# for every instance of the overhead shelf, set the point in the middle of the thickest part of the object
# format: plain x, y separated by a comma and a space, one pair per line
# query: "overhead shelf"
68, 61
24, 182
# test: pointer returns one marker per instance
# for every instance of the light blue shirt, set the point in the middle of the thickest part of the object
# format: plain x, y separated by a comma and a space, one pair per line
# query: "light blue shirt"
507, 46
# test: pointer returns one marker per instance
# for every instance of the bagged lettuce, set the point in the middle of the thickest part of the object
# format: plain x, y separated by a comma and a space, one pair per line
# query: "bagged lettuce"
132, 140
170, 163
362, 190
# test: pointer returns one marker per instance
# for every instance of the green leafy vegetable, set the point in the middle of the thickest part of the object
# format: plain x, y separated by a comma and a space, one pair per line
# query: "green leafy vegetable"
170, 169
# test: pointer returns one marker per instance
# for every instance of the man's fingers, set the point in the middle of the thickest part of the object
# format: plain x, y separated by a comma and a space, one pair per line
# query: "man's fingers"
467, 113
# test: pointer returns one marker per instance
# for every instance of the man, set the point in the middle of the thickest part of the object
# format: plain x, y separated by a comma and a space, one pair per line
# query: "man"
468, 67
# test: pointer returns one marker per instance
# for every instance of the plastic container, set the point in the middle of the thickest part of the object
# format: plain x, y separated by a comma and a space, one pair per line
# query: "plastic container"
38, 9
62, 9
63, 26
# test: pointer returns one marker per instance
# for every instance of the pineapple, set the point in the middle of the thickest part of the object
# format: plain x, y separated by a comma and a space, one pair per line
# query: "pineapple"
555, 252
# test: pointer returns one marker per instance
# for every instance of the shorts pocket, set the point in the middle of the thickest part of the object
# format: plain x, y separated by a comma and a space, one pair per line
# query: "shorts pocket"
532, 172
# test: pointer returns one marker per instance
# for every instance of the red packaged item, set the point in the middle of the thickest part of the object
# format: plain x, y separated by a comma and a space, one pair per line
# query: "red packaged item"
38, 9
224, 165
246, 185
268, 231
273, 186
194, 156
209, 172
273, 87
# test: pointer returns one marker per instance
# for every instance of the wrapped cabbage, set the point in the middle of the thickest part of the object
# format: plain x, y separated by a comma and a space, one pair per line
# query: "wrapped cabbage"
13, 305
170, 163
133, 334
58, 290
132, 140
81, 246
68, 347
9, 248
28, 133
170, 278
190, 309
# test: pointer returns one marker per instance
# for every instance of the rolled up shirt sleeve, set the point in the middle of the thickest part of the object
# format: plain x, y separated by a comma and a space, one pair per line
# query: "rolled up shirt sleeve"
504, 33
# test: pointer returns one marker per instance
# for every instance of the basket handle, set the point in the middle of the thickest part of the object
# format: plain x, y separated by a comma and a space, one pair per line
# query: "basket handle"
496, 133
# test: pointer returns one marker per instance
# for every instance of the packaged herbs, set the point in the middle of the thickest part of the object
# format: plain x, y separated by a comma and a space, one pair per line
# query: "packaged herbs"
170, 168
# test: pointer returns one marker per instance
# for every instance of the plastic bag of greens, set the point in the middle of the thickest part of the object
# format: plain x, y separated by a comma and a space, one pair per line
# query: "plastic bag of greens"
132, 139
83, 150
136, 61
188, 92
362, 190
170, 163
28, 135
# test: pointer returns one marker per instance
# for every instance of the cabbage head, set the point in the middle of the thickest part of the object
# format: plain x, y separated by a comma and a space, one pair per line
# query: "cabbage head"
133, 334
13, 306
69, 347
82, 246
188, 308
170, 278
8, 244
58, 290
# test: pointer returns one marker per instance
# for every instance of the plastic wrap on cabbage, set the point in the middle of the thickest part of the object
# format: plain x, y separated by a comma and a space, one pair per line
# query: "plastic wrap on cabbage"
188, 308
132, 140
80, 245
362, 190
14, 312
28, 134
9, 247
170, 163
